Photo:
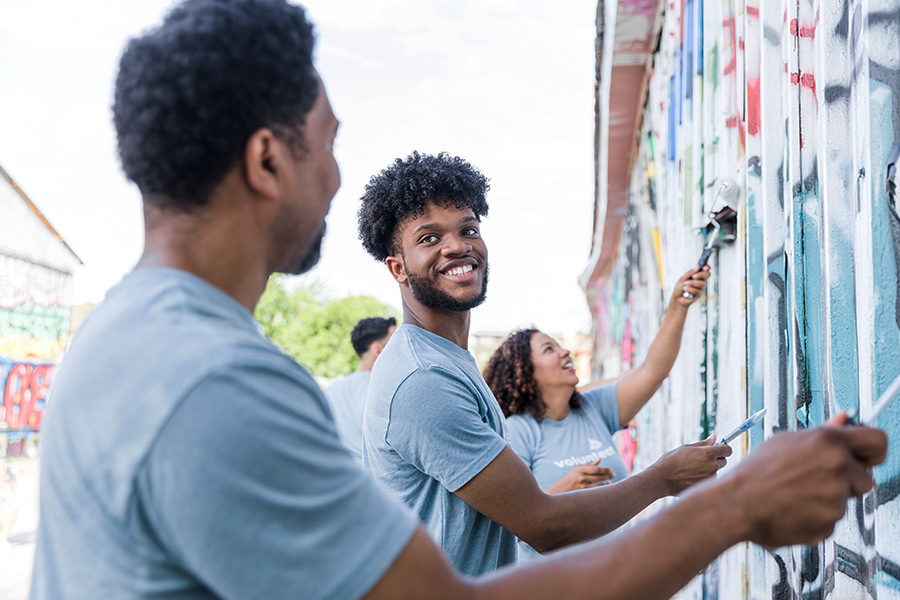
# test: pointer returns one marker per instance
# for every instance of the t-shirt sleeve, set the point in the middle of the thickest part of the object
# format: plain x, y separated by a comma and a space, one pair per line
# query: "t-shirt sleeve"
603, 400
249, 486
438, 425
523, 437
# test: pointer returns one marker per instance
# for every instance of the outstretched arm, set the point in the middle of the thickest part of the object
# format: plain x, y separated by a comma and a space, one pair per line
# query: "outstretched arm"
637, 387
791, 490
507, 493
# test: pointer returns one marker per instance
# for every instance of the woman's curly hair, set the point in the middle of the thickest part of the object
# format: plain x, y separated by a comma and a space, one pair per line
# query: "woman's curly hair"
510, 375
402, 189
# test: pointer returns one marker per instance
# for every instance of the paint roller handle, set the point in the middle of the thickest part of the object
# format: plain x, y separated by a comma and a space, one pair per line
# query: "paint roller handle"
704, 258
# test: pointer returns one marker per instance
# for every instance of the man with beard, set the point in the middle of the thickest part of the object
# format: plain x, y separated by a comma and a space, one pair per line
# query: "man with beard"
434, 432
184, 456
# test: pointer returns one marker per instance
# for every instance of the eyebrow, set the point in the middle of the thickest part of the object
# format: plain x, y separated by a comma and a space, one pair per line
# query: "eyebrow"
434, 225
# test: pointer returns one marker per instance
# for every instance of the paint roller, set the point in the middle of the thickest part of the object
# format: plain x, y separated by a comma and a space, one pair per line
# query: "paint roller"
722, 226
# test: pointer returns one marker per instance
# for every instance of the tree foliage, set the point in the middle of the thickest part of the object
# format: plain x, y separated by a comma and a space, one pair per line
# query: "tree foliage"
312, 329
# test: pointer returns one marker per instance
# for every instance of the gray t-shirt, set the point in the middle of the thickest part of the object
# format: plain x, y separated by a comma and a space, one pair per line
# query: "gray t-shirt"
553, 448
184, 456
347, 398
431, 425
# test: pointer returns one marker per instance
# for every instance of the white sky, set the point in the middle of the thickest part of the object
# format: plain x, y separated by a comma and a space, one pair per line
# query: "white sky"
506, 84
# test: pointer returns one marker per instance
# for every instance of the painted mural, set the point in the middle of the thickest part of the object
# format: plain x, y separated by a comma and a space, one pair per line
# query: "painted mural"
35, 309
787, 114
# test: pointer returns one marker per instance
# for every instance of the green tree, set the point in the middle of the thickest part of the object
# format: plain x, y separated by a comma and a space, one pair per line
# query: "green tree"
312, 329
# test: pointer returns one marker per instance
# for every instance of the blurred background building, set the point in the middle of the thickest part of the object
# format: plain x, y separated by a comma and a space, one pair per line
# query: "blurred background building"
36, 268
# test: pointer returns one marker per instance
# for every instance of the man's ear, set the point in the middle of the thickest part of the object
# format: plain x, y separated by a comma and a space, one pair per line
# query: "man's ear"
397, 268
261, 162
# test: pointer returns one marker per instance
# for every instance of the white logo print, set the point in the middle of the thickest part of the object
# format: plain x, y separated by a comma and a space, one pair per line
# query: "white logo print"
595, 445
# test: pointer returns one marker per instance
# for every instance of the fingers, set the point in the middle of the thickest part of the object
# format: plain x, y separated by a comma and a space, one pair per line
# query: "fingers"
691, 285
702, 274
722, 451
594, 474
707, 442
866, 444
839, 420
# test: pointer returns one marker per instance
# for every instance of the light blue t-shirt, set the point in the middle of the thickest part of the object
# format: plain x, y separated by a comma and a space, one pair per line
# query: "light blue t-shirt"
553, 448
347, 398
185, 457
431, 425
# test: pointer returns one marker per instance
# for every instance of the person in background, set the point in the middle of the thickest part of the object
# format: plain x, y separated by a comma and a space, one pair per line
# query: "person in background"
347, 396
433, 432
563, 432
209, 467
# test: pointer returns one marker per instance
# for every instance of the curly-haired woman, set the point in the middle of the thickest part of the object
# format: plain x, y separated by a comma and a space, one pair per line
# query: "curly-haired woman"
563, 432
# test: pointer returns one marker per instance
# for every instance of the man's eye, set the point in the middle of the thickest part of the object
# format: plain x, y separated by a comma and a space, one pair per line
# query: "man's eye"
470, 231
428, 239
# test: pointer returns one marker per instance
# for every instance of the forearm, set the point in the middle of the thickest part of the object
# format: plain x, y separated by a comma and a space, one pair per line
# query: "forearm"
584, 515
653, 560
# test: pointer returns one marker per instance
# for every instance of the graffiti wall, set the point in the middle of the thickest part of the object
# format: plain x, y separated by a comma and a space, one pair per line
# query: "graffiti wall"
788, 114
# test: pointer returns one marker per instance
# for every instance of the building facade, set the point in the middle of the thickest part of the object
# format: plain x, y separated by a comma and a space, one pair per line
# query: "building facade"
769, 132
36, 269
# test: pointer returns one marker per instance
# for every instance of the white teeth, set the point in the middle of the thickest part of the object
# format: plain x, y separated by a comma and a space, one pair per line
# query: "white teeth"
460, 270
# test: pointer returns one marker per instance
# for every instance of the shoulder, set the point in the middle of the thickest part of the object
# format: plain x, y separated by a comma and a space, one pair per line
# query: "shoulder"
603, 394
524, 427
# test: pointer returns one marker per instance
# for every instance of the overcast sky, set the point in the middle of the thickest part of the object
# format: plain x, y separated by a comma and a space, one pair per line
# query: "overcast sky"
506, 84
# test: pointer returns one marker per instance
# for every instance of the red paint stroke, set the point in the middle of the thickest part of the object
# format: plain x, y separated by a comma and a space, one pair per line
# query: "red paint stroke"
731, 122
753, 12
808, 80
753, 107
805, 32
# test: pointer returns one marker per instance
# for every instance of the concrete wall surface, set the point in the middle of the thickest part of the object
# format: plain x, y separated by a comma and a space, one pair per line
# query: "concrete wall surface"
787, 112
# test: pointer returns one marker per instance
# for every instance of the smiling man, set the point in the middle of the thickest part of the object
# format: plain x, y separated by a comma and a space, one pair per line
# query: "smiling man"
434, 432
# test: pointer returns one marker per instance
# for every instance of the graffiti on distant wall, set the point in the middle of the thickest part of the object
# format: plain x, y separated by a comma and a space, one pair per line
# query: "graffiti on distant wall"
25, 387
35, 307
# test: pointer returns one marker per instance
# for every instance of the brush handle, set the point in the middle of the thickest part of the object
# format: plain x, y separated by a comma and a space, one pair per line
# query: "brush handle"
704, 258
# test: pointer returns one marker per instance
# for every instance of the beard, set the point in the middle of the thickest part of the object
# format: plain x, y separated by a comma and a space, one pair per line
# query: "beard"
310, 259
429, 295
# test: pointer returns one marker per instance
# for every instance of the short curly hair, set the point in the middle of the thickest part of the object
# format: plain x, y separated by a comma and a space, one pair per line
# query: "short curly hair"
370, 330
510, 375
402, 190
191, 92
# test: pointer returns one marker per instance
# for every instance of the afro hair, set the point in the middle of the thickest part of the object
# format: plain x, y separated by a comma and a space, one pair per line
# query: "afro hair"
402, 190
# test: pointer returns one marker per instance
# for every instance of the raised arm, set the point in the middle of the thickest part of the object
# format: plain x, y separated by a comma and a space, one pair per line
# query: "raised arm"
636, 387
507, 493
791, 490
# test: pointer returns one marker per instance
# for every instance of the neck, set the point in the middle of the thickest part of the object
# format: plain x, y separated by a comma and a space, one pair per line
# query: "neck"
556, 400
213, 247
366, 362
450, 325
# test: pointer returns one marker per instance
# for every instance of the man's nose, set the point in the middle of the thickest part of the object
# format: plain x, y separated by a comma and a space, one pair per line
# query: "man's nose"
455, 244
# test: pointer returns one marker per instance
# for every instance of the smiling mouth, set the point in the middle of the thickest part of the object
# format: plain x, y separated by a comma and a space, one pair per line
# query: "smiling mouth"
459, 270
